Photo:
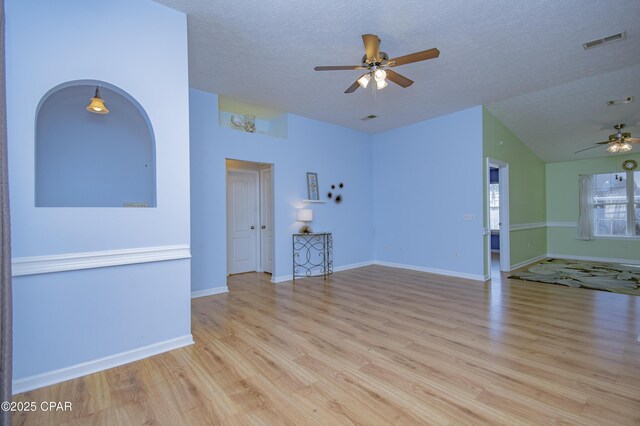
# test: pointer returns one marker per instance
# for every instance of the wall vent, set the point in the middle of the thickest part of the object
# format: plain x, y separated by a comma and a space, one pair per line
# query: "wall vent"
605, 40
369, 117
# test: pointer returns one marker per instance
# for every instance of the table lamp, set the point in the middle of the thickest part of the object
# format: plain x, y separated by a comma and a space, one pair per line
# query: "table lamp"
304, 215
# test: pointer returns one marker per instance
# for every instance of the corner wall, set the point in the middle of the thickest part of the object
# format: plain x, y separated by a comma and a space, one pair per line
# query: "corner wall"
527, 193
95, 287
427, 177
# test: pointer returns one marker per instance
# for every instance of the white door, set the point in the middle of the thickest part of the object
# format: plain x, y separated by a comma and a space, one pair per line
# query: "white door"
242, 221
266, 221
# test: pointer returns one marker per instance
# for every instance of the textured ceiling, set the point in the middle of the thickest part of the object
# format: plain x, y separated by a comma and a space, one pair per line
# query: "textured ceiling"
560, 120
264, 52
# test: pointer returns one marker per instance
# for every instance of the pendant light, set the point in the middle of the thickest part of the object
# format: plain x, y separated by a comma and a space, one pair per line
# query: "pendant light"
97, 104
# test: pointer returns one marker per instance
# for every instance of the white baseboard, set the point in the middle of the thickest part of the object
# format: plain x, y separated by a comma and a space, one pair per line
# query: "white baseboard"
595, 259
209, 291
96, 259
78, 370
283, 278
457, 274
353, 266
527, 262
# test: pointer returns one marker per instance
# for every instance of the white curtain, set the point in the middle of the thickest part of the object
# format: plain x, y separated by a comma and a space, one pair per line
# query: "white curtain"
585, 212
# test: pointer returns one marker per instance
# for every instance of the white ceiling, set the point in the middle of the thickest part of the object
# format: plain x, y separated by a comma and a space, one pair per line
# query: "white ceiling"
264, 52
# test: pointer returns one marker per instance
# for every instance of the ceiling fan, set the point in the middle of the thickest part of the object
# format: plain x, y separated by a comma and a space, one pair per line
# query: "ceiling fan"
377, 65
618, 142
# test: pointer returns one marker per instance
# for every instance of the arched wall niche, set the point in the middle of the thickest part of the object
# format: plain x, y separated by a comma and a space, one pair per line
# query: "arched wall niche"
92, 160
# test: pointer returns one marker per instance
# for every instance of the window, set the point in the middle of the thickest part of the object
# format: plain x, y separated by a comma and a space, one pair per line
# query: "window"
494, 206
616, 204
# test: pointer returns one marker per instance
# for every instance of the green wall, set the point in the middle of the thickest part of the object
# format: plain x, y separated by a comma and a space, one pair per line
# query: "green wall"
562, 206
527, 188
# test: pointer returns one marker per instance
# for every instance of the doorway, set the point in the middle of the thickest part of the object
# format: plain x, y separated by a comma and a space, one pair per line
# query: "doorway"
498, 245
250, 236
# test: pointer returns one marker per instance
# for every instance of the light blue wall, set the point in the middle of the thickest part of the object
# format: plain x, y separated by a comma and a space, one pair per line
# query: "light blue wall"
69, 317
427, 176
146, 56
336, 153
92, 160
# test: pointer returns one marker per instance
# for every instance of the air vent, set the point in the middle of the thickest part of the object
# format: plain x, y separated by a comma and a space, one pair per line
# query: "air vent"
369, 117
605, 40
626, 100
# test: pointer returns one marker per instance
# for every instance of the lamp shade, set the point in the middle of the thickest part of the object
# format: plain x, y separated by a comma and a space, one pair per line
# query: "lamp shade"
97, 104
304, 215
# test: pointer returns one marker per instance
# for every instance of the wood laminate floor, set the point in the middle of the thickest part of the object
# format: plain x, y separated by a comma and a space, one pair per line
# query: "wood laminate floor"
377, 346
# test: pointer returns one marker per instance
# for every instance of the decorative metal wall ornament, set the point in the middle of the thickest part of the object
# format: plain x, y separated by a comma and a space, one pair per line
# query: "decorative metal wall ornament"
338, 197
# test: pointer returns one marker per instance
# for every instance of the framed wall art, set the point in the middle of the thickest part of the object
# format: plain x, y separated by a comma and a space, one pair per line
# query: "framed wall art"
312, 186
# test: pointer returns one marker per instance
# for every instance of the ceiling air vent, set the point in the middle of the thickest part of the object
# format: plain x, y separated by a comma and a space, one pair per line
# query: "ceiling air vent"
605, 40
369, 117
622, 101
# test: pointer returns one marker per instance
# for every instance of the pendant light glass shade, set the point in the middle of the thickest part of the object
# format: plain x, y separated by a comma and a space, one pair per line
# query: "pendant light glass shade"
364, 80
380, 75
381, 84
614, 147
97, 104
625, 147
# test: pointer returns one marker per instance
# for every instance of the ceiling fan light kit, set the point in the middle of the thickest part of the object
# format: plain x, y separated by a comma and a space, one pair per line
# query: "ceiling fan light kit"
618, 142
619, 147
378, 65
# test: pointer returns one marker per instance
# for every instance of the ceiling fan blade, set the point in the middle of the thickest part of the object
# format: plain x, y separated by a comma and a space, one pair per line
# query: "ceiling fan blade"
630, 140
353, 87
605, 142
340, 67
414, 57
586, 149
399, 79
371, 47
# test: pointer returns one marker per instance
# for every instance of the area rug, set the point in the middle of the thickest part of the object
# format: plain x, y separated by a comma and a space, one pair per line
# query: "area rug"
613, 277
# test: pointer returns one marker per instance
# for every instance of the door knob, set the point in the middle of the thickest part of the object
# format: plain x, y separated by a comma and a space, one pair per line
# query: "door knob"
253, 227
263, 227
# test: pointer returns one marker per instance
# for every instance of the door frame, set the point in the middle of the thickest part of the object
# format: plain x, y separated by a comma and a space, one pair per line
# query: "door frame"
505, 236
262, 222
256, 251
259, 222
